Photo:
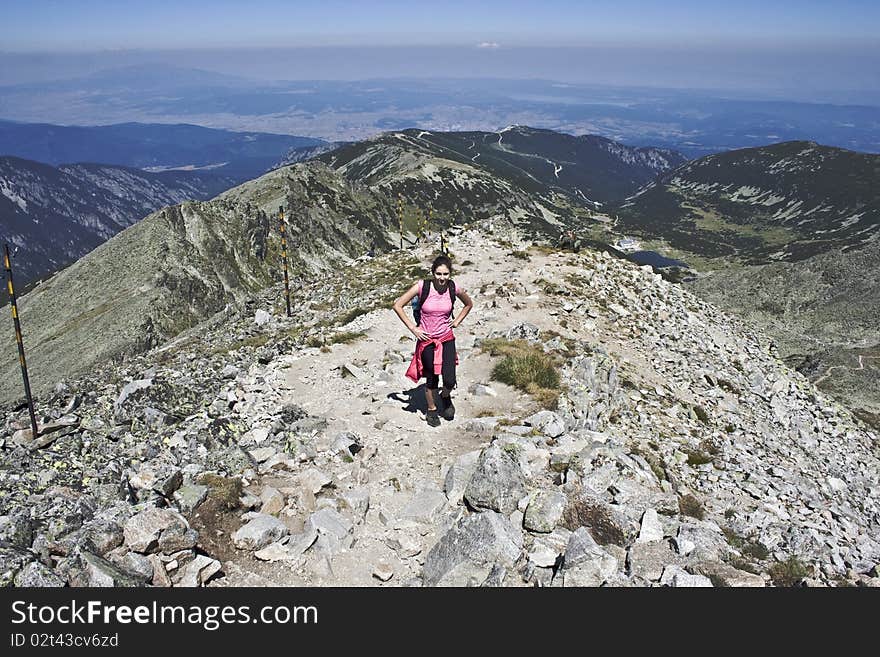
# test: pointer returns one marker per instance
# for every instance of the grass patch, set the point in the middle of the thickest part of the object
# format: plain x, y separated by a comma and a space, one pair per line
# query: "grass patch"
701, 414
351, 315
525, 367
522, 255
253, 341
226, 491
345, 337
688, 505
748, 546
789, 573
697, 456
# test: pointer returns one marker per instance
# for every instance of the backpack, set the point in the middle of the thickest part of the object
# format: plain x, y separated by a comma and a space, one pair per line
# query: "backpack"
423, 296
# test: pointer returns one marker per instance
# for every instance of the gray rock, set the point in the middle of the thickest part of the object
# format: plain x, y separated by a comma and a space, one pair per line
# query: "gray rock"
261, 318
329, 522
425, 506
260, 531
272, 501
702, 539
277, 552
357, 501
482, 390
586, 563
458, 476
127, 391
481, 425
197, 572
314, 480
36, 574
524, 331
138, 565
229, 372
543, 555
351, 370
547, 422
143, 530
178, 537
648, 560
263, 454
465, 574
347, 444
189, 496
383, 571
17, 530
12, 560
651, 529
299, 543
497, 482
104, 535
477, 541
100, 572
495, 577
545, 511
677, 577
727, 575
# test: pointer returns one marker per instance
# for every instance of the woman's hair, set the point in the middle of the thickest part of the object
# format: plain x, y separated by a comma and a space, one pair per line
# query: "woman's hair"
441, 260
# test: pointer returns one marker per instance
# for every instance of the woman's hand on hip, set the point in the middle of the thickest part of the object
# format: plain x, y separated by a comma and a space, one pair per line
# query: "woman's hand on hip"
420, 334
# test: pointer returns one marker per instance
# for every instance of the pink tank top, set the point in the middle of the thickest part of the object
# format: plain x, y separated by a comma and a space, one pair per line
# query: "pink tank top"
436, 312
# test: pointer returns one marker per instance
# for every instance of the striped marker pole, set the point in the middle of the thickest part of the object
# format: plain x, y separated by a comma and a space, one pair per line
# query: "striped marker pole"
284, 258
7, 261
400, 219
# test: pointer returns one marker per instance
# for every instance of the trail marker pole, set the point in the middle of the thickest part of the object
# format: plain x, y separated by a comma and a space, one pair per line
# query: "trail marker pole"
7, 261
284, 258
400, 219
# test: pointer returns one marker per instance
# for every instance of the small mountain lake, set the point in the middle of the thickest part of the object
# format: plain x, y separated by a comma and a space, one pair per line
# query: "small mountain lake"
654, 259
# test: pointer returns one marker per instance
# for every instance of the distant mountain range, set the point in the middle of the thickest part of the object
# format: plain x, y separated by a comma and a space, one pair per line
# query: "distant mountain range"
695, 123
586, 170
788, 236
780, 202
53, 216
238, 156
785, 235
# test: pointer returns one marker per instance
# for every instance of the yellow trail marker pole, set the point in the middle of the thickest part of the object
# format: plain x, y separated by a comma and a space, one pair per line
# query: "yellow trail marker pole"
7, 261
284, 258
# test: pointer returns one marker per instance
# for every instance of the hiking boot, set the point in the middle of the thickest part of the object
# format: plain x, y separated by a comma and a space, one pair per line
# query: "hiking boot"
432, 418
448, 411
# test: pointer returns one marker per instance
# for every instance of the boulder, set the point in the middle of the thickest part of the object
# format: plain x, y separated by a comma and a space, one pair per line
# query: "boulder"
497, 483
479, 541
261, 530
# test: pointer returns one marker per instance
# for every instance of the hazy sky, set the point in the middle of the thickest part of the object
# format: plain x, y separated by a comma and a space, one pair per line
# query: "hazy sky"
798, 48
40, 25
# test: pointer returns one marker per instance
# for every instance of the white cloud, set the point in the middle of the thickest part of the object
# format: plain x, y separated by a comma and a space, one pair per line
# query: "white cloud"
487, 44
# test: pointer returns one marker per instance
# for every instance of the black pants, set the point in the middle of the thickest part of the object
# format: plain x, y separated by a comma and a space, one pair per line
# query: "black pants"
448, 370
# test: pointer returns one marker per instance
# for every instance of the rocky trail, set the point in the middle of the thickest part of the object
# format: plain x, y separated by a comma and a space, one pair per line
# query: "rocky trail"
395, 479
261, 450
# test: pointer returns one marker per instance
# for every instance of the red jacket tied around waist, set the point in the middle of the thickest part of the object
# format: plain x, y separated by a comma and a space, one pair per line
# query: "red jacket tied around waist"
414, 371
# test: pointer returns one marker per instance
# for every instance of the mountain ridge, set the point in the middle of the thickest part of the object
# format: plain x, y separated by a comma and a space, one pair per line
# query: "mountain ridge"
262, 450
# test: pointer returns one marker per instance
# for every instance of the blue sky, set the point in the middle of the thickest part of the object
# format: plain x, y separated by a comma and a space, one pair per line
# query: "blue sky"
80, 25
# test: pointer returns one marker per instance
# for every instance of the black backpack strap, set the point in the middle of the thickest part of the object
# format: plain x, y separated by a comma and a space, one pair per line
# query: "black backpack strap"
426, 290
451, 285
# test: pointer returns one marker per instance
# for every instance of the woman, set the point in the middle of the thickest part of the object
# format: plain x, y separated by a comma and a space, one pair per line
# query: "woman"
435, 346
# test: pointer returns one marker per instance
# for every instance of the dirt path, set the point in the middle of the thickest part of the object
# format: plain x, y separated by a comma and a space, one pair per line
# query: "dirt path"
402, 457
